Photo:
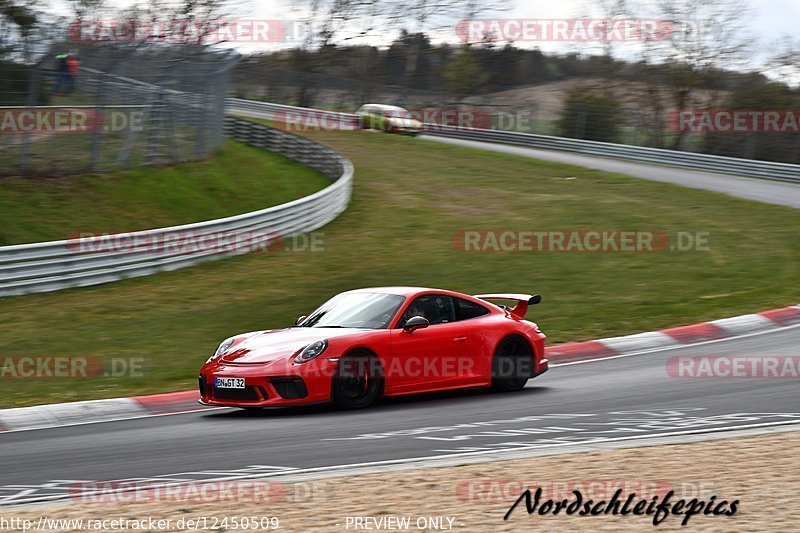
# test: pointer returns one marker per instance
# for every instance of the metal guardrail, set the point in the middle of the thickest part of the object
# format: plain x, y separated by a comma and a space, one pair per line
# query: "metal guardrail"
56, 265
287, 113
658, 156
673, 158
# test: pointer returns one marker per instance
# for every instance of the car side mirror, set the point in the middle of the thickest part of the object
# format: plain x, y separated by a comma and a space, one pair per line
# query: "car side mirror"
299, 320
416, 322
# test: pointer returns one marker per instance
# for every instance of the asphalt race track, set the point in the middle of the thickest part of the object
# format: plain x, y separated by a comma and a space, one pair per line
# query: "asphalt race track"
625, 397
770, 192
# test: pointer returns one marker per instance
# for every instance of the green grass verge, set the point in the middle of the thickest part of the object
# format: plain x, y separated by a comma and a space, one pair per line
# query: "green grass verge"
410, 197
237, 179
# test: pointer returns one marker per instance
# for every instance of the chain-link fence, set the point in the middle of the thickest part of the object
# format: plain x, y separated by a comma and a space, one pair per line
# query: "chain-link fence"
99, 108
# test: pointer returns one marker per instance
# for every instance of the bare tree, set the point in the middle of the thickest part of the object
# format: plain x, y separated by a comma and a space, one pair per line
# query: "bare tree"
178, 21
707, 36
17, 21
431, 16
615, 14
83, 9
326, 23
785, 60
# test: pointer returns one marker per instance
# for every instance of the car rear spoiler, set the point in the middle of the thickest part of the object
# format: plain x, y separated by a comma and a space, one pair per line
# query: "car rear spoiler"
523, 301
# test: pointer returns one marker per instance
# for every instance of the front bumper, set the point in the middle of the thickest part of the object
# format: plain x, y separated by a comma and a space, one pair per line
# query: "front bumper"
269, 384
406, 130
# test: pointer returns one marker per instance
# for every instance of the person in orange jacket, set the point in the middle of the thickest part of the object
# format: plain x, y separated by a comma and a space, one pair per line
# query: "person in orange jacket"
73, 65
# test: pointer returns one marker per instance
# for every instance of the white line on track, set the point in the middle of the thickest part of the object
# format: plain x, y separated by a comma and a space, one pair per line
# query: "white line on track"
304, 474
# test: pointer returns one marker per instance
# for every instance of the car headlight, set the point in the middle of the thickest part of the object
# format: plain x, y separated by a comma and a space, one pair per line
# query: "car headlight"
223, 346
311, 351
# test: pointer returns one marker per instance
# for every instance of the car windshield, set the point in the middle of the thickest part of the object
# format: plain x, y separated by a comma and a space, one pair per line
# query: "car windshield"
396, 112
370, 310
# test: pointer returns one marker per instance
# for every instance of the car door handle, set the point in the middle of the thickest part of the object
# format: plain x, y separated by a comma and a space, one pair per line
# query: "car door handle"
459, 339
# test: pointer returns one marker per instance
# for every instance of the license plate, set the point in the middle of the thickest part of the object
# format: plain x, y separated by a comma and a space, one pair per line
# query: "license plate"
229, 383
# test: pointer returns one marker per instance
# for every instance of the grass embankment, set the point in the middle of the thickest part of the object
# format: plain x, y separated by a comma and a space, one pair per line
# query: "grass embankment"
237, 179
410, 198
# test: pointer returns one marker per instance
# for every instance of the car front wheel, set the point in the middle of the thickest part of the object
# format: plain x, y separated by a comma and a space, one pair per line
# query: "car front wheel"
358, 381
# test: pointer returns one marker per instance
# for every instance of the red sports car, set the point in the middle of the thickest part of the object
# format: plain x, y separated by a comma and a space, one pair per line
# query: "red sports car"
367, 343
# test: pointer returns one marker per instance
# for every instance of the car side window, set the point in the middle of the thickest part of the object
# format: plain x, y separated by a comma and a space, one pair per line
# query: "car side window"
466, 309
437, 308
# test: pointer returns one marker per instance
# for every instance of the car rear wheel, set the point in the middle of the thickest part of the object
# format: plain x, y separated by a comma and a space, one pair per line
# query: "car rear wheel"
512, 365
358, 381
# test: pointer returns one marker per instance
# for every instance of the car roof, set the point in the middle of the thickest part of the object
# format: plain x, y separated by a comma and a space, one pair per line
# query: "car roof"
385, 107
403, 291
411, 292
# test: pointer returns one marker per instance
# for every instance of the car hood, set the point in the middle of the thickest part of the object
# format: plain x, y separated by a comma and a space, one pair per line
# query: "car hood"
270, 345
